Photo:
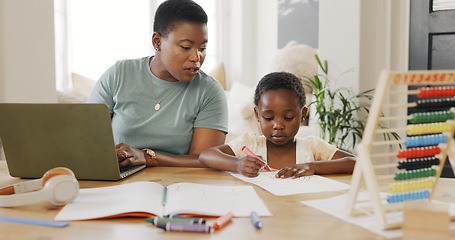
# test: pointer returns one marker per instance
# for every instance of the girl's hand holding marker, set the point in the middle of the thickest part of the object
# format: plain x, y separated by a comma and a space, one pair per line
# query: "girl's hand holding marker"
250, 153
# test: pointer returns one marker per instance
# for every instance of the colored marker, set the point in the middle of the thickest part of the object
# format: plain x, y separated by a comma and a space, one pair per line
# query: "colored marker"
195, 219
158, 220
185, 227
223, 220
255, 220
250, 153
163, 201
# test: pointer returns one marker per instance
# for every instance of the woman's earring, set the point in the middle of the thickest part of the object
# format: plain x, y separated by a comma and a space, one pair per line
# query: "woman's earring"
156, 49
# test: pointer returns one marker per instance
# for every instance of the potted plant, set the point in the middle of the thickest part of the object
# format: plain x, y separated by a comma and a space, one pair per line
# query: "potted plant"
338, 111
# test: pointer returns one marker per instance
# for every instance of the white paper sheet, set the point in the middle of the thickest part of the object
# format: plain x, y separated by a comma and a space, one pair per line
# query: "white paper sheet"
289, 186
336, 206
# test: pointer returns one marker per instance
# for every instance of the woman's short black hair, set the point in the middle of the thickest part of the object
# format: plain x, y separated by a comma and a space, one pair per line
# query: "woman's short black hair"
172, 11
280, 80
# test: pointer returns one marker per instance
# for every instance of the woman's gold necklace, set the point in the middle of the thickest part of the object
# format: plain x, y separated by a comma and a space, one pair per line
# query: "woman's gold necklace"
158, 105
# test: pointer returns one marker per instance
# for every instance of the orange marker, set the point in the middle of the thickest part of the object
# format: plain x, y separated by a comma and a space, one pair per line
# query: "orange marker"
250, 153
221, 221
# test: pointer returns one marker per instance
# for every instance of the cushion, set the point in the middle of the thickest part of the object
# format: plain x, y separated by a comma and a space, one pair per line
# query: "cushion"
241, 114
298, 59
82, 87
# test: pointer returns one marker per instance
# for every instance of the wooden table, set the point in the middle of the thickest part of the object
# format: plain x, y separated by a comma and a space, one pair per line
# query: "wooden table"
290, 220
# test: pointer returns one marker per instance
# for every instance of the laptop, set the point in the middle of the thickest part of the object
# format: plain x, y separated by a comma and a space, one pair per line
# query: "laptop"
39, 136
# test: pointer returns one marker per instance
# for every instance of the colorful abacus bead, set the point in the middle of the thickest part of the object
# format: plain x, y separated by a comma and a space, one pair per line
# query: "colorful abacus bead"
418, 152
395, 198
416, 173
428, 128
436, 103
425, 140
410, 185
416, 163
442, 91
428, 117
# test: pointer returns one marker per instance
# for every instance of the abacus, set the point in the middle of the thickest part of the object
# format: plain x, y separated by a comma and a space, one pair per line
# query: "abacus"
409, 168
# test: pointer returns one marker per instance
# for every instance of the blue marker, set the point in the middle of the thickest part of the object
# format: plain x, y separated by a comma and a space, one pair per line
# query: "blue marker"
255, 220
33, 221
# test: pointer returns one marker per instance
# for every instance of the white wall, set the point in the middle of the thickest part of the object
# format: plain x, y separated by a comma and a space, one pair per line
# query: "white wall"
266, 31
27, 56
251, 39
339, 38
358, 39
2, 57
364, 37
384, 44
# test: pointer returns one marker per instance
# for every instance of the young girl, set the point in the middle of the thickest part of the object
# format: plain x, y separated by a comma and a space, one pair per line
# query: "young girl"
280, 108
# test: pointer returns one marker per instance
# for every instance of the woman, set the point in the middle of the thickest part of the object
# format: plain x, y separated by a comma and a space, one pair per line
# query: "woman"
165, 111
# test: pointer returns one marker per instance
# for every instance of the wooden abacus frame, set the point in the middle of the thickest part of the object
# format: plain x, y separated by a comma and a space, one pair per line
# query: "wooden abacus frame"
365, 167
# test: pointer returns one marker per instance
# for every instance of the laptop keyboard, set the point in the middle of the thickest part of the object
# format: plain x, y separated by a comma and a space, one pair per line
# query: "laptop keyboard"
128, 170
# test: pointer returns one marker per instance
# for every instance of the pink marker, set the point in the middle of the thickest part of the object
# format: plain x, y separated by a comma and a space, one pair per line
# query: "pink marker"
250, 153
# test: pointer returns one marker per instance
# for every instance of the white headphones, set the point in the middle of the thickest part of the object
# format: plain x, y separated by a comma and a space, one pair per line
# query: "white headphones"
58, 186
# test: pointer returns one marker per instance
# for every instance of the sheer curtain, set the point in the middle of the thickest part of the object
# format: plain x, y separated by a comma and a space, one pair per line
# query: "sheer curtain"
91, 35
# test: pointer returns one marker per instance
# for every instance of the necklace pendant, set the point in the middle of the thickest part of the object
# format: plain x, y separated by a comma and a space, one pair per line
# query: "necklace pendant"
157, 107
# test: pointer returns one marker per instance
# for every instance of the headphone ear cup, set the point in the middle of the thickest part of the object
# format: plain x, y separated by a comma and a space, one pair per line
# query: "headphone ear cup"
56, 171
61, 189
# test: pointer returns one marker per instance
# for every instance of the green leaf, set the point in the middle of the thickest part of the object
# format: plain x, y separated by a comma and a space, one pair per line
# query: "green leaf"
338, 110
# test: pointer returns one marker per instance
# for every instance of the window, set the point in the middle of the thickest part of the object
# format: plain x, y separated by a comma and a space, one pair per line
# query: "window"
91, 35
441, 5
213, 56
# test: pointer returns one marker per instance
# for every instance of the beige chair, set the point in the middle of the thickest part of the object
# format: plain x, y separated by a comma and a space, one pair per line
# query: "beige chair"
82, 87
219, 74
2, 153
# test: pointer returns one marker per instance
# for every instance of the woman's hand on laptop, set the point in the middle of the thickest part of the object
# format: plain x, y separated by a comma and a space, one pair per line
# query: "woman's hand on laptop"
128, 155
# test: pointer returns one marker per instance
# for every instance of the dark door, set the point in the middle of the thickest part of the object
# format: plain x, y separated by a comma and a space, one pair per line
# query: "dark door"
431, 44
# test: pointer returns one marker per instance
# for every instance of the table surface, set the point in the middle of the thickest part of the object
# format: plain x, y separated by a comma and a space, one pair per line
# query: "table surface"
290, 220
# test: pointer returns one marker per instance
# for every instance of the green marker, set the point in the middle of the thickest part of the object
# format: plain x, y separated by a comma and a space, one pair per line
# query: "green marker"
189, 220
164, 196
